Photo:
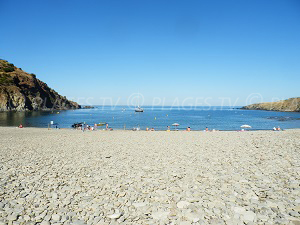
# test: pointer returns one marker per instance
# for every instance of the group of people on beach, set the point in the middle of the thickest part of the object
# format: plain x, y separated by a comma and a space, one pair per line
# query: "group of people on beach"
151, 129
169, 129
85, 127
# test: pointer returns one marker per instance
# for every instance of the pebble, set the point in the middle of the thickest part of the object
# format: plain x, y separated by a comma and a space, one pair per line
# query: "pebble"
294, 214
249, 216
26, 217
56, 217
115, 216
183, 204
239, 210
12, 217
160, 215
185, 223
139, 204
193, 217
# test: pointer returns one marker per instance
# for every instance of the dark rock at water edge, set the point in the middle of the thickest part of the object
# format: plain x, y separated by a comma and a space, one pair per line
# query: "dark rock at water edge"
88, 107
282, 118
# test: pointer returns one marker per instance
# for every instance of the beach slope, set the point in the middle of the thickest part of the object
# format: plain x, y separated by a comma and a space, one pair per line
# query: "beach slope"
74, 177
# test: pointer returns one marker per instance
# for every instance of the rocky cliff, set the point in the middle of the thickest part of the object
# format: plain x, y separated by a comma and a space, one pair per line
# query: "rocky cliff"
289, 105
20, 91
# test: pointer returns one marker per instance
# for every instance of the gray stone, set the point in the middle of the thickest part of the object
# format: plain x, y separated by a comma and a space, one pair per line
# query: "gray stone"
12, 217
249, 216
160, 215
193, 217
115, 216
56, 217
185, 223
26, 217
183, 204
78, 222
239, 210
294, 214
139, 204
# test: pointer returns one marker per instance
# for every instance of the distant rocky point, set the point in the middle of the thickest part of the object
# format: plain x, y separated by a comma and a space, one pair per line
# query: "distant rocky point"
88, 107
289, 105
21, 91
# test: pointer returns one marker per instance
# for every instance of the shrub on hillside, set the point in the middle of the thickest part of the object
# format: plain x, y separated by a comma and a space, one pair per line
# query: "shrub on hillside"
5, 79
8, 67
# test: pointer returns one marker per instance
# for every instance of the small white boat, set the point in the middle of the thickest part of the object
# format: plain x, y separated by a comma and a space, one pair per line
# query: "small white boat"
139, 109
246, 126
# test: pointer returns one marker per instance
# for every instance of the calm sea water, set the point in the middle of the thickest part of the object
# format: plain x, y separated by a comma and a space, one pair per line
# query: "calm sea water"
221, 118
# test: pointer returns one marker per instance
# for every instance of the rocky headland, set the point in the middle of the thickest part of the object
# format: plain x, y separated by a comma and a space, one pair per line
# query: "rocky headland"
289, 105
21, 91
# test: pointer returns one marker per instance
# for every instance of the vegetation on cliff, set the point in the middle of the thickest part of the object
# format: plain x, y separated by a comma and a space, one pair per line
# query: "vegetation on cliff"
289, 105
21, 91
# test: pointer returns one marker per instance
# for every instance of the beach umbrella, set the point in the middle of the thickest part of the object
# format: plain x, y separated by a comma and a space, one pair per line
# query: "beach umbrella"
175, 125
245, 126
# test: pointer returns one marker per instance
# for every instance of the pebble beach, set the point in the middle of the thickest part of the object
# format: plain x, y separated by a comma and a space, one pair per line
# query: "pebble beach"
125, 177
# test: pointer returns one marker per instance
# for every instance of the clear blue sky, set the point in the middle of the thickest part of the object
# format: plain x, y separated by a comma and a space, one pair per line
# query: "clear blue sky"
169, 49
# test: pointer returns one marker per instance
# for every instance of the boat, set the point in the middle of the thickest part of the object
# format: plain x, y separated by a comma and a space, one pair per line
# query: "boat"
77, 125
139, 109
101, 124
246, 126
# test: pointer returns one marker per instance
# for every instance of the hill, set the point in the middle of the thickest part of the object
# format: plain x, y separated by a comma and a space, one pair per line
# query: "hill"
289, 105
21, 91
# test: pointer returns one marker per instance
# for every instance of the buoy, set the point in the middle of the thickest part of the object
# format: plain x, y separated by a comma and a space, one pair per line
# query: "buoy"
154, 118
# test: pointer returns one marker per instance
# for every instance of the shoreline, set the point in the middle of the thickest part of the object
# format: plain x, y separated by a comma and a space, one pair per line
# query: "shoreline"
210, 131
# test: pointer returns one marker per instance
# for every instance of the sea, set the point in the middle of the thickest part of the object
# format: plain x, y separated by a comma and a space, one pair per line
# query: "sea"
123, 117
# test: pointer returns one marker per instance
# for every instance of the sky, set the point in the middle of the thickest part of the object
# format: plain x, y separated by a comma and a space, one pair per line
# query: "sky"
202, 52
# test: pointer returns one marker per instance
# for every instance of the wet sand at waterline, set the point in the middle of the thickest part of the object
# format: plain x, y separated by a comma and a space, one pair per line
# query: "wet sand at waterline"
105, 177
